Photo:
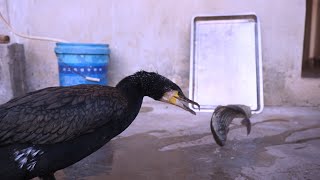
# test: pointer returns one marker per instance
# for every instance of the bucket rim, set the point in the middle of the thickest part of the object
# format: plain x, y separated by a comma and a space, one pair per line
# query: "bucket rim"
81, 44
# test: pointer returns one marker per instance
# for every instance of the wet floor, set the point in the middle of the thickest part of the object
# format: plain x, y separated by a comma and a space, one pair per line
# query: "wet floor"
167, 143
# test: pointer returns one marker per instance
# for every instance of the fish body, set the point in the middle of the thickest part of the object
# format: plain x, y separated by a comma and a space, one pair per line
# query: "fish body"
222, 118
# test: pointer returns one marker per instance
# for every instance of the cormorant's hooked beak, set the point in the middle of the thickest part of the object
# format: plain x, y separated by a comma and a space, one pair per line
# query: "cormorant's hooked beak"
178, 99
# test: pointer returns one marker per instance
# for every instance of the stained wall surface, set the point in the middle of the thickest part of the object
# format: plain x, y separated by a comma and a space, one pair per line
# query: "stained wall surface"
155, 36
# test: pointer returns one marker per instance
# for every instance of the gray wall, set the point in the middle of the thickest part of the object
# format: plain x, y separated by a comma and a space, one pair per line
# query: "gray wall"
155, 35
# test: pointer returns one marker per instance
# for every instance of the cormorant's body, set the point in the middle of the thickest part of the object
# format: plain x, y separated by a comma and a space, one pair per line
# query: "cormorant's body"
53, 128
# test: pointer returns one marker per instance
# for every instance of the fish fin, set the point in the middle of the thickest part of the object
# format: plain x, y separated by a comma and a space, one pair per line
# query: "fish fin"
246, 122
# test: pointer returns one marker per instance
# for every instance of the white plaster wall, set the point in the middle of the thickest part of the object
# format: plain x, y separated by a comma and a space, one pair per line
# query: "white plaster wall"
155, 35
3, 9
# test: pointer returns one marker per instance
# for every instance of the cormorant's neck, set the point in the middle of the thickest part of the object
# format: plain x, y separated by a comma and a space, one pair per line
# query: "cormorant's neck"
131, 88
136, 86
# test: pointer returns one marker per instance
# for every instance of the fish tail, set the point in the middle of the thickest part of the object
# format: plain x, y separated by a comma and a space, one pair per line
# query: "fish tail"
246, 122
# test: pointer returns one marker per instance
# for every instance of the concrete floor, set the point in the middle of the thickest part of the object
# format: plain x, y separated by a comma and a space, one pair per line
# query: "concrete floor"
165, 142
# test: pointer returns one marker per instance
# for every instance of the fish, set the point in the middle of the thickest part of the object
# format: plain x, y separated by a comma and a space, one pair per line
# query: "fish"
222, 118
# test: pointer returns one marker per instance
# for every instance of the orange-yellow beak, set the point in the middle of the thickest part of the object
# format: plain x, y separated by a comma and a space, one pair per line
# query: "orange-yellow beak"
173, 97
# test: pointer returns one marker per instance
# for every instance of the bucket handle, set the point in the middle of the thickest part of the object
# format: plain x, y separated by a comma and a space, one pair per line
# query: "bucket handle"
85, 77
92, 79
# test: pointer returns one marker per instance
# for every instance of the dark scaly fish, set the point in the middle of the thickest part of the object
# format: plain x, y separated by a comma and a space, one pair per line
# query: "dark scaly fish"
222, 118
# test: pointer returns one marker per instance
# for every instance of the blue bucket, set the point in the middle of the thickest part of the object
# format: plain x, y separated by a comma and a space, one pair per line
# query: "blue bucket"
82, 63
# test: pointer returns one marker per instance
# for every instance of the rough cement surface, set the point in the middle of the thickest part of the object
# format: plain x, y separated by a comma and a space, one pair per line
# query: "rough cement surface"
165, 142
12, 71
17, 69
6, 91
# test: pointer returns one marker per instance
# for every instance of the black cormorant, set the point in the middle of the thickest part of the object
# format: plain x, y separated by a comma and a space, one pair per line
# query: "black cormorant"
53, 128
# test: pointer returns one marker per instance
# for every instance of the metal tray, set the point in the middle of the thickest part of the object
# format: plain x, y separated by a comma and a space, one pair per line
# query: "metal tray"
225, 62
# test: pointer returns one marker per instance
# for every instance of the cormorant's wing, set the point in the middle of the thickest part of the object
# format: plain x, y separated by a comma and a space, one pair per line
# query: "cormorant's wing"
58, 114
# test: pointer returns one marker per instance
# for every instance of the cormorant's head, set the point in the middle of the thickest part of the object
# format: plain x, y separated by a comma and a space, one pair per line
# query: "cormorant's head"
162, 89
